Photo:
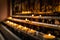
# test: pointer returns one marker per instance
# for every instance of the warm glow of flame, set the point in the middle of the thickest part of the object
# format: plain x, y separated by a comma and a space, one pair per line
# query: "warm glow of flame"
19, 26
11, 22
40, 15
32, 15
24, 27
15, 24
7, 21
9, 17
26, 19
49, 34
24, 12
32, 30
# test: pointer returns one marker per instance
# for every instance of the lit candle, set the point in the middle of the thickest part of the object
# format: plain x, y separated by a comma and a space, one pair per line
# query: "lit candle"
32, 15
9, 17
7, 21
10, 23
31, 32
40, 15
49, 36
19, 27
26, 19
25, 29
15, 25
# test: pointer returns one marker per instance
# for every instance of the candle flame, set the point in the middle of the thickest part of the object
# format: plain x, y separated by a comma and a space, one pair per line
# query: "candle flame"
25, 12
26, 19
7, 21
49, 34
19, 26
15, 24
32, 15
40, 15
24, 27
11, 22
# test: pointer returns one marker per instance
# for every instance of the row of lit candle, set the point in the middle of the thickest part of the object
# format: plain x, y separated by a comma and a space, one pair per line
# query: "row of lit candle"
28, 30
20, 27
31, 15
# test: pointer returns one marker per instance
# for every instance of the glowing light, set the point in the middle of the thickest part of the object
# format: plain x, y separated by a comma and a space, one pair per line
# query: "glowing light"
26, 19
15, 24
32, 15
31, 31
25, 29
12, 23
40, 15
7, 21
9, 17
49, 34
19, 26
25, 12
